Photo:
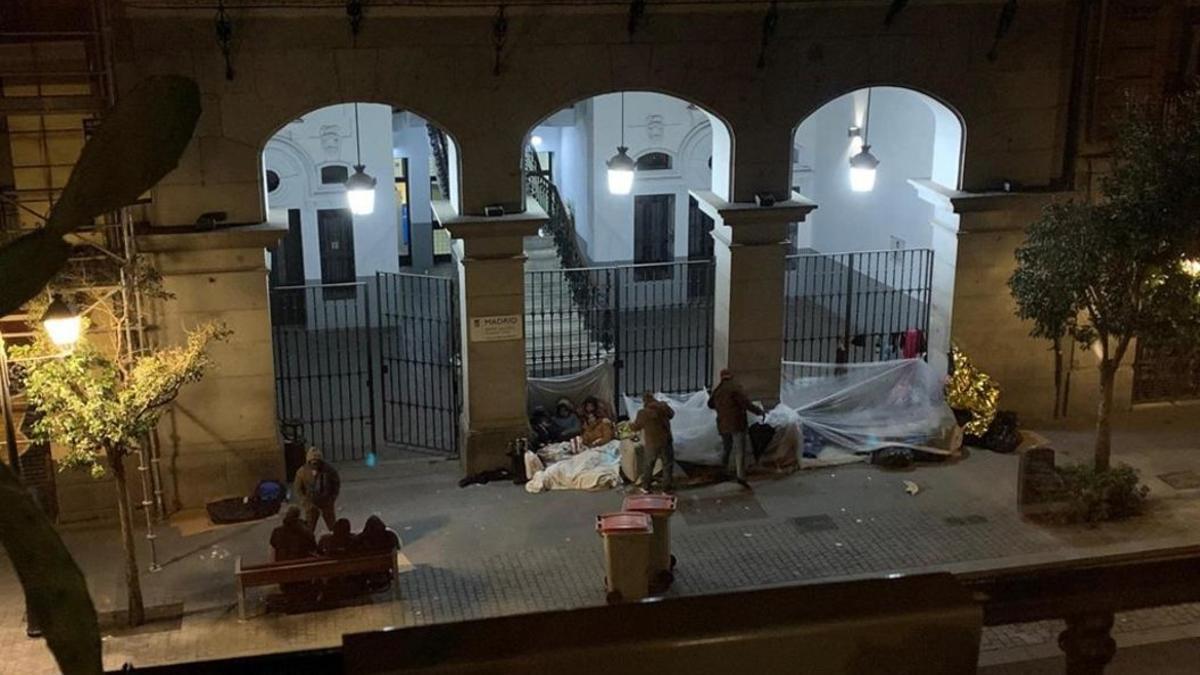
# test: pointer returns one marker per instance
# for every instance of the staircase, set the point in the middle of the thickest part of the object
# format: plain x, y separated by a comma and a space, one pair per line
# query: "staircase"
568, 316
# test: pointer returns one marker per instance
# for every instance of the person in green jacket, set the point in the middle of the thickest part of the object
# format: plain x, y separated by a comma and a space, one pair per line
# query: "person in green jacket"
316, 488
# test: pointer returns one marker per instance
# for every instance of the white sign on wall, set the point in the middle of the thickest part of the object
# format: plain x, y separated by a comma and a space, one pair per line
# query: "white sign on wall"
496, 328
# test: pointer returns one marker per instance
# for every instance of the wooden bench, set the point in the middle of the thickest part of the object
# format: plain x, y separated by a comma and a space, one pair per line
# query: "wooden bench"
311, 569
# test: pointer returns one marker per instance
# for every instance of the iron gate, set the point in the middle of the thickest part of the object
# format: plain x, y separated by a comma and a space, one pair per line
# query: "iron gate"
349, 354
419, 361
654, 320
1165, 372
855, 307
321, 338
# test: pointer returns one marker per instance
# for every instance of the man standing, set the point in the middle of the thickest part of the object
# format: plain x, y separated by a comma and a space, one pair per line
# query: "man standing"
316, 487
653, 422
731, 405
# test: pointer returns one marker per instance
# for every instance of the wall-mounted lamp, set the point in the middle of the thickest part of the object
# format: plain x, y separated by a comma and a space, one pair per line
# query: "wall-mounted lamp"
62, 323
535, 141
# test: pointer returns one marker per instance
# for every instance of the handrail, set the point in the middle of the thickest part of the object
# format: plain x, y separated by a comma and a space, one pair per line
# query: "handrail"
1078, 591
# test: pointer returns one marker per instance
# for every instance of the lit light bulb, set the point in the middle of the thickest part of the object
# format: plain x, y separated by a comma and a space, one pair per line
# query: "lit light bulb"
862, 170
620, 172
536, 141
360, 192
61, 322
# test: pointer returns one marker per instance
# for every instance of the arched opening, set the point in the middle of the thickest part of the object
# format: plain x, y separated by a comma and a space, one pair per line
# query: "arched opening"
362, 287
875, 261
634, 262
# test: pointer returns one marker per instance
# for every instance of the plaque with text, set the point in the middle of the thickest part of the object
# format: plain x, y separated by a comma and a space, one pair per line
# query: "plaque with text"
496, 328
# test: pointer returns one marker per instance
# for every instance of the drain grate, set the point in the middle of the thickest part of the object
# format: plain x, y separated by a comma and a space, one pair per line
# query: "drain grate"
1181, 480
821, 523
960, 521
726, 509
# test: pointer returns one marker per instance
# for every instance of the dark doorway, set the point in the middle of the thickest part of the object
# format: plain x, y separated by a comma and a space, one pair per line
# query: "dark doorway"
700, 247
653, 235
287, 269
335, 228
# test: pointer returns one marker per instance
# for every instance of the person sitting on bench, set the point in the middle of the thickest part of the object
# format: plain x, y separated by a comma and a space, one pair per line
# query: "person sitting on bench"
338, 542
292, 539
376, 538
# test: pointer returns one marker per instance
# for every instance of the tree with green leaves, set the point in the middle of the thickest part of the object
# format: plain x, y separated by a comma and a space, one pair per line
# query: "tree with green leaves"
101, 408
1122, 267
139, 141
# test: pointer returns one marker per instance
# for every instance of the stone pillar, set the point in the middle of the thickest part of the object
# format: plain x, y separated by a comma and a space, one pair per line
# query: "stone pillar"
750, 248
491, 268
984, 322
220, 436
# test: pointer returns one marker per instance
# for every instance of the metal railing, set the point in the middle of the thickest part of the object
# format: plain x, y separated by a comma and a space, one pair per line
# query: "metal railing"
1084, 593
856, 306
321, 338
654, 320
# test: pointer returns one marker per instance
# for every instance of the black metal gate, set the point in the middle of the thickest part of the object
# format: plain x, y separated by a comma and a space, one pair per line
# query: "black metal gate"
420, 361
322, 340
654, 321
855, 307
1165, 372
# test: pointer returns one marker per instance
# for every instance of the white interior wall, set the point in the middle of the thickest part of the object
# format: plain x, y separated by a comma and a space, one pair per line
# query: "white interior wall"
410, 140
901, 133
327, 136
653, 123
568, 133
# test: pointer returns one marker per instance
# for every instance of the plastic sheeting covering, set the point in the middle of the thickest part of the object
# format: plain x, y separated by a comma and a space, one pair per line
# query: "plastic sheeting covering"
856, 407
594, 381
866, 406
694, 427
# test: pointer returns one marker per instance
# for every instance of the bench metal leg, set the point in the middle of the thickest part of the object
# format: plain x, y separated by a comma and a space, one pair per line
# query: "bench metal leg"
241, 593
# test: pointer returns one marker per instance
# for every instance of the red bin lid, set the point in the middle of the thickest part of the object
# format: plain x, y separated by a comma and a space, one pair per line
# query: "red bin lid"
623, 523
654, 504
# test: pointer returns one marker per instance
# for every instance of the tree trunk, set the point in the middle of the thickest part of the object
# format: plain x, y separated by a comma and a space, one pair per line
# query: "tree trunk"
136, 609
1059, 403
1108, 376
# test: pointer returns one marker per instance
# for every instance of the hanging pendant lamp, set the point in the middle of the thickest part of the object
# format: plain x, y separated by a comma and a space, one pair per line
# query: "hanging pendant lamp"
360, 188
620, 167
863, 165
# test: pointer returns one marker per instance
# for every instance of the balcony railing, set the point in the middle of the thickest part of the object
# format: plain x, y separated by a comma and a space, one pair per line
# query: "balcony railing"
927, 624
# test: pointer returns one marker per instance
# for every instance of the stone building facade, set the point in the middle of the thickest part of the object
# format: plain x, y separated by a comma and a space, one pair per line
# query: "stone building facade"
1029, 103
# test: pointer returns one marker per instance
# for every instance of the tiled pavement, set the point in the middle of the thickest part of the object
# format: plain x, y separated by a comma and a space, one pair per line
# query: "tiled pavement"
494, 550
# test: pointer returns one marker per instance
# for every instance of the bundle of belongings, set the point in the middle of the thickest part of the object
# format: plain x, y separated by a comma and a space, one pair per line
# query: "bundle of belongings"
573, 447
264, 502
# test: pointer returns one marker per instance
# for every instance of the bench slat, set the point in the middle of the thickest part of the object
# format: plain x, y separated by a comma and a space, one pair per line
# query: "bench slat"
313, 568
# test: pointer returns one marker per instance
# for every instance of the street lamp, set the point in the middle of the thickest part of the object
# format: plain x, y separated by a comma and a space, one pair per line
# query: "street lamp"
62, 322
63, 325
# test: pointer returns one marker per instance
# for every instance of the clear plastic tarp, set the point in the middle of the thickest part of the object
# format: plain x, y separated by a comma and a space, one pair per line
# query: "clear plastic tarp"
855, 408
862, 407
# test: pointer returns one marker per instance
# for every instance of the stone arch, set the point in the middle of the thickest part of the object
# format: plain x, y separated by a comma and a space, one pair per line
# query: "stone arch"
722, 130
